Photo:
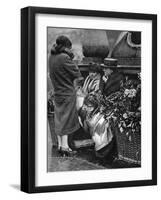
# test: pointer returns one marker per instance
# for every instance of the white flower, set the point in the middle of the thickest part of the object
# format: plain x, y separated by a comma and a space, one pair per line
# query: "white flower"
139, 75
130, 138
133, 92
139, 109
124, 125
126, 92
121, 129
104, 78
130, 93
125, 116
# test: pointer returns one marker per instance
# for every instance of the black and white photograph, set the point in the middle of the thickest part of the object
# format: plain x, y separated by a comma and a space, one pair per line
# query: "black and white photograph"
93, 99
89, 112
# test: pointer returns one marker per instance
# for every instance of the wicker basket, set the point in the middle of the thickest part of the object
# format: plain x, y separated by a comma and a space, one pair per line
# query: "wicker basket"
129, 146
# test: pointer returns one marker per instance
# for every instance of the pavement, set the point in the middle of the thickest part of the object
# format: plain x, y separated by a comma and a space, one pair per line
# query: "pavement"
85, 159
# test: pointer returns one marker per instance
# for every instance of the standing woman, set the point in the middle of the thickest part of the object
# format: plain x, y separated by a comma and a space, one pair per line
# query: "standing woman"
62, 73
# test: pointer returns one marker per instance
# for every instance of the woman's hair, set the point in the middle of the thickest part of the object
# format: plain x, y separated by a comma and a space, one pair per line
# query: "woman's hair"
94, 67
63, 44
114, 69
63, 41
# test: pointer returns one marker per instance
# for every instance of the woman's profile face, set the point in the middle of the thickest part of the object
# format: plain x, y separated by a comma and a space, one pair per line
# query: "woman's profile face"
92, 74
107, 72
70, 47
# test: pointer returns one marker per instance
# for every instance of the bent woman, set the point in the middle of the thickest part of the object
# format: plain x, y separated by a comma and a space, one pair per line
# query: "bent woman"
96, 118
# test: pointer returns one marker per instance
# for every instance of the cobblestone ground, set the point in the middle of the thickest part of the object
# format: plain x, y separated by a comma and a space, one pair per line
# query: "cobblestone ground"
74, 163
85, 159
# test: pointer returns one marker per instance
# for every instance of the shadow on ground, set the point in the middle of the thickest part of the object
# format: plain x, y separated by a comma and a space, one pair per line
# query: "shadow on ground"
85, 159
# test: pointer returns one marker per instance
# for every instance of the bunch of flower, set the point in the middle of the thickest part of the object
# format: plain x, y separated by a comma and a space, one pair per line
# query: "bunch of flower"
123, 107
126, 107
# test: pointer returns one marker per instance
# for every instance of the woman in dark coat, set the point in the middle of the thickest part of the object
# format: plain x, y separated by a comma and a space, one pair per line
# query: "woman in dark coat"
62, 73
112, 81
111, 84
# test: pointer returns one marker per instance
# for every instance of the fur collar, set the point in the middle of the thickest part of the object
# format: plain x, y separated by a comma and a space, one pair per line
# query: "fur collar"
57, 49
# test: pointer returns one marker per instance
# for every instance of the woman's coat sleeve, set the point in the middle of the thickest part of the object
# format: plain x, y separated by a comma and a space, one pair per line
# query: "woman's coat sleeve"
71, 68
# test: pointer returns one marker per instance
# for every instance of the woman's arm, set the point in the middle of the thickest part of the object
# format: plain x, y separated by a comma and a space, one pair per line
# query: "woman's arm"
71, 68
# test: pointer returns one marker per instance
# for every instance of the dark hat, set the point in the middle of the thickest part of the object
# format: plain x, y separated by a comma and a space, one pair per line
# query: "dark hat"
109, 63
94, 67
63, 41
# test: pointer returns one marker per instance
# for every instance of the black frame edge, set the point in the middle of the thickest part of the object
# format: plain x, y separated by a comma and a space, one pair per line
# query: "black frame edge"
91, 13
24, 100
27, 100
93, 186
154, 99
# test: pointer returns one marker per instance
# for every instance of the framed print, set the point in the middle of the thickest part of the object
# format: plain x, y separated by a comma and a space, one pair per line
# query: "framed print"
88, 99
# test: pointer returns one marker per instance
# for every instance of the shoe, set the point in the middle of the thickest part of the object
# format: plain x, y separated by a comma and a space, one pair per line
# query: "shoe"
67, 152
59, 150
